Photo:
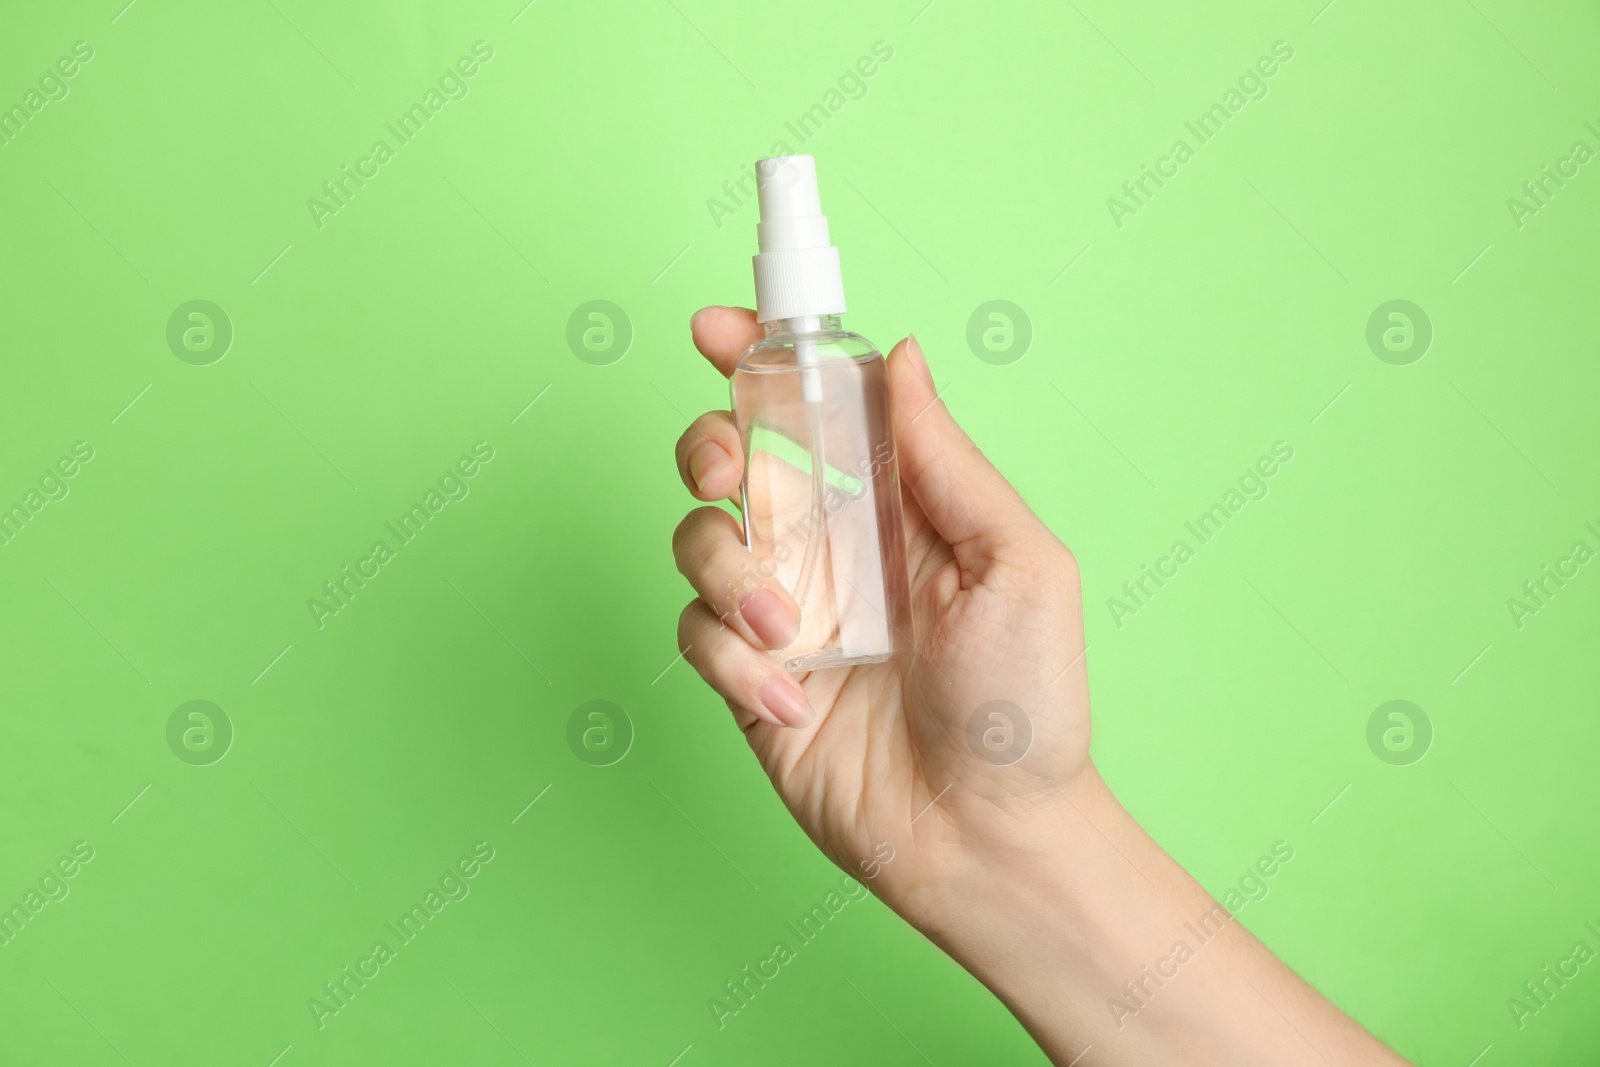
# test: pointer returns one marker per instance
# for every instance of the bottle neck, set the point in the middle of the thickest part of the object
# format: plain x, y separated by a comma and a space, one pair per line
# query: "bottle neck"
804, 324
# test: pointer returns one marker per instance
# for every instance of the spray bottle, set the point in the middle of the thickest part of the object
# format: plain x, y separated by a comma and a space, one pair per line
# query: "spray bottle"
821, 494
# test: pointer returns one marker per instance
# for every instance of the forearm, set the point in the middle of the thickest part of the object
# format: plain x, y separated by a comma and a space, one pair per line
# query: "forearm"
1093, 935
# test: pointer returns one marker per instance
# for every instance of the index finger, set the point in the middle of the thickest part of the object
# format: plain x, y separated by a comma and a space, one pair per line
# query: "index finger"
723, 333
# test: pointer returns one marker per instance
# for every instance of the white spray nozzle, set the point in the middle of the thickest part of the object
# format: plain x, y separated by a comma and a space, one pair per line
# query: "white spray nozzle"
797, 268
787, 188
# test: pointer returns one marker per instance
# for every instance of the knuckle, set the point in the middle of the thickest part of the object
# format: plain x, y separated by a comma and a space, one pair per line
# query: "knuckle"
708, 422
680, 534
685, 624
690, 530
707, 427
709, 553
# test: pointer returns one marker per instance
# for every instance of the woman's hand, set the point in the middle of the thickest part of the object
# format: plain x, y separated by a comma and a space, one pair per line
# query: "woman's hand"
937, 759
957, 782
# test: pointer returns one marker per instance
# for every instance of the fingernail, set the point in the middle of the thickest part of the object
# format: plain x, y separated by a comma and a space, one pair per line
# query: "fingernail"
705, 459
694, 320
768, 616
914, 350
785, 701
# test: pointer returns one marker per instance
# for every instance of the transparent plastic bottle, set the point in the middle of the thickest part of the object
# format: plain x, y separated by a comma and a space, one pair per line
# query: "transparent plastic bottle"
821, 493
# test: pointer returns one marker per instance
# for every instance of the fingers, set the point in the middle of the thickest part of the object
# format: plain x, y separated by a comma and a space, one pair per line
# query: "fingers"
710, 459
709, 553
739, 610
722, 334
969, 503
754, 686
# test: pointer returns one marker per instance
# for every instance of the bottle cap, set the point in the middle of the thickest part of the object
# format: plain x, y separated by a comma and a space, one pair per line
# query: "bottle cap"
797, 269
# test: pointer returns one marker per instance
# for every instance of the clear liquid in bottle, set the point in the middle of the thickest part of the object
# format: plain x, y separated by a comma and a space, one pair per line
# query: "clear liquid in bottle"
821, 494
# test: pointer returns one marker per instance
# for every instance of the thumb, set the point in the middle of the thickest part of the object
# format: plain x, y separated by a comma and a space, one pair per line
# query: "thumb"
966, 500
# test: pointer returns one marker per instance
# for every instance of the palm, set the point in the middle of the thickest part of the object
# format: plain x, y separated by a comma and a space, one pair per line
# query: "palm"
892, 741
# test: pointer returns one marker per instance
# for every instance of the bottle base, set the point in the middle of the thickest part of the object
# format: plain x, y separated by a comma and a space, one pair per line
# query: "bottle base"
823, 659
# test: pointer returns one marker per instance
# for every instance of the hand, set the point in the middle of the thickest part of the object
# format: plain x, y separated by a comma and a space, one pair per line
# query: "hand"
1015, 858
885, 753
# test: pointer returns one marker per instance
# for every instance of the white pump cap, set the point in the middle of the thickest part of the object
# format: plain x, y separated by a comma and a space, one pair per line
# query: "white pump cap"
797, 270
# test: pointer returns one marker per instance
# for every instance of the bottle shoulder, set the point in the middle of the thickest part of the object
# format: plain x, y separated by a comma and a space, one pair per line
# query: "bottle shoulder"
783, 349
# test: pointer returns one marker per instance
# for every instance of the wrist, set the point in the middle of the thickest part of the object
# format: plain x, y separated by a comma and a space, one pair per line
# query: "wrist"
1092, 935
1053, 914
1057, 860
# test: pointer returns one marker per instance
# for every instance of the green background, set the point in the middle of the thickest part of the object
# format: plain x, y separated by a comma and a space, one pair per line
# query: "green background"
370, 354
